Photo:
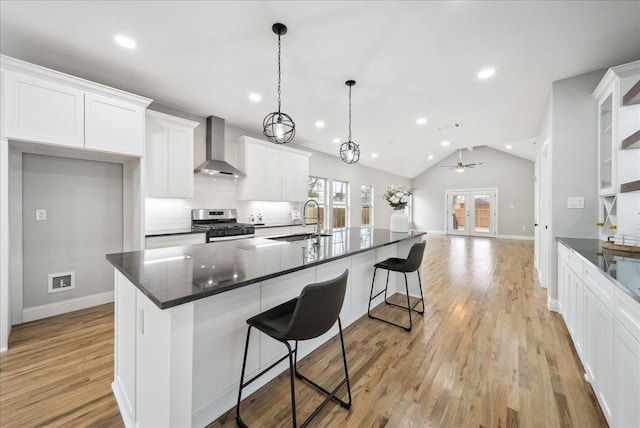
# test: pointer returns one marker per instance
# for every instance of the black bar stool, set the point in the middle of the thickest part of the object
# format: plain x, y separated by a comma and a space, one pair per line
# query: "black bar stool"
306, 317
410, 264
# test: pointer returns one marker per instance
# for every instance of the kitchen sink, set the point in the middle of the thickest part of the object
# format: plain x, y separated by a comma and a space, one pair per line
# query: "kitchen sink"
299, 237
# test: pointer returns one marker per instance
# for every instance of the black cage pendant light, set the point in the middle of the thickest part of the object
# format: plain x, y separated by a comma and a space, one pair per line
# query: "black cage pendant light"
278, 127
350, 151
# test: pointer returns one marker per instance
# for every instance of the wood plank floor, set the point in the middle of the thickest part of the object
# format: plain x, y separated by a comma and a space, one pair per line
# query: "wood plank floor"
487, 353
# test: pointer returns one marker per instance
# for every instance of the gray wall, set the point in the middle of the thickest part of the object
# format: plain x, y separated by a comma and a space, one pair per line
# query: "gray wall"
574, 161
83, 200
511, 175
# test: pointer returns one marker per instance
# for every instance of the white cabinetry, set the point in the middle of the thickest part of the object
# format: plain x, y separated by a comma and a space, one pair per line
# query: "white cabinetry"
43, 111
274, 173
169, 156
164, 241
604, 323
618, 128
113, 126
265, 232
48, 107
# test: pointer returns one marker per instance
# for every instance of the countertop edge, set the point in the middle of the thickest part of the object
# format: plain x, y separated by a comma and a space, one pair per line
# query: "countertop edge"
623, 288
207, 293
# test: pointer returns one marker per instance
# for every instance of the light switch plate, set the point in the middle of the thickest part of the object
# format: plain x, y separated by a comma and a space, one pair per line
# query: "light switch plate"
41, 214
576, 202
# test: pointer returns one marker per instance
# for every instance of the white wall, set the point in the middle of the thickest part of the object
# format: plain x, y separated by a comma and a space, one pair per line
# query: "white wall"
511, 175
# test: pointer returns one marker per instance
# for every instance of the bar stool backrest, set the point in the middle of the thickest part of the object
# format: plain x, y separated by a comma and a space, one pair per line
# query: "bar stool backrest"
317, 308
414, 259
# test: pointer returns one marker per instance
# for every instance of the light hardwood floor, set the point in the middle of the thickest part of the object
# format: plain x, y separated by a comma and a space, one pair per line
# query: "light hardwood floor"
487, 353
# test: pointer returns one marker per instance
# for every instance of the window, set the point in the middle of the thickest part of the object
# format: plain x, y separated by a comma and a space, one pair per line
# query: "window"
366, 213
340, 198
317, 192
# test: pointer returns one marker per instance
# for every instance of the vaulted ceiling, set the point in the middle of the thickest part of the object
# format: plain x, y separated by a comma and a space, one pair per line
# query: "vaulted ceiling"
411, 60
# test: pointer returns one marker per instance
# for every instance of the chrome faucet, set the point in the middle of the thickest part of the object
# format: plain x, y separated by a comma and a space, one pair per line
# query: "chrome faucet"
317, 218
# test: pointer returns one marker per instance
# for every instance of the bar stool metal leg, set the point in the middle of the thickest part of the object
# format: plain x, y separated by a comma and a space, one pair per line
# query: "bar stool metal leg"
410, 308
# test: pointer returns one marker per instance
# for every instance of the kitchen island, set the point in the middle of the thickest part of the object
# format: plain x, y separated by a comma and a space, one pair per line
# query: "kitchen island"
180, 315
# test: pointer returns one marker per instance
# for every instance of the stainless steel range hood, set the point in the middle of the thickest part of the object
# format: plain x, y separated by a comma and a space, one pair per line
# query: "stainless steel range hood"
215, 166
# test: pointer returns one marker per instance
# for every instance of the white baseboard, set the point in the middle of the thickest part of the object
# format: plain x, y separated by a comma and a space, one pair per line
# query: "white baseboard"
122, 403
434, 232
552, 304
57, 308
520, 237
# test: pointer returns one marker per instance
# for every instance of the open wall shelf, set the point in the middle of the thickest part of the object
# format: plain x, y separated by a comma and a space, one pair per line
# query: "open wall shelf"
632, 96
632, 186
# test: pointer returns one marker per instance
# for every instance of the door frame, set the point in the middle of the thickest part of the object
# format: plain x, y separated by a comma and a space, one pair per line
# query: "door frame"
493, 219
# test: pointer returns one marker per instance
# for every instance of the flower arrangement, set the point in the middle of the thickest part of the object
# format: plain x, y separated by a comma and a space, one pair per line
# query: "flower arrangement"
398, 196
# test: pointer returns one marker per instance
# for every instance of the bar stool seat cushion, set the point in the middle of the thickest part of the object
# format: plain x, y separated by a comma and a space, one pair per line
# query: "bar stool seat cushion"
274, 322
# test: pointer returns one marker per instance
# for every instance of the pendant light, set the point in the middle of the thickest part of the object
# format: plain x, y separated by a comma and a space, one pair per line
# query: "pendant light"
278, 127
350, 151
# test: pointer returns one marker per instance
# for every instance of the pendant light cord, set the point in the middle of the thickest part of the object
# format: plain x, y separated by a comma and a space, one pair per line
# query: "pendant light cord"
278, 73
349, 113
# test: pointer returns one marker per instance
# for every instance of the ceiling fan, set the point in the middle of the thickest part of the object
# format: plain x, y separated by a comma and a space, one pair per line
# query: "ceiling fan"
460, 166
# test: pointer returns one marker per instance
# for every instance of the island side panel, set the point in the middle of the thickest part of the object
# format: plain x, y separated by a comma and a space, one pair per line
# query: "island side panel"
220, 331
124, 382
153, 364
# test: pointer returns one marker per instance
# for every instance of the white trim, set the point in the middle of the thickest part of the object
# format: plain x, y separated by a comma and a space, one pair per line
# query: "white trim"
121, 401
552, 304
13, 64
520, 237
57, 308
432, 232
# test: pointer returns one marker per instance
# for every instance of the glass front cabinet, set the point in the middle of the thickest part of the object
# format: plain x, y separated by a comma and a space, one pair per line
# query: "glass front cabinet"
607, 116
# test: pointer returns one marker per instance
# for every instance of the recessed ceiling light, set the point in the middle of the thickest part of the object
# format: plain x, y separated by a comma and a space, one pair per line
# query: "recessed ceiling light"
487, 72
336, 141
319, 124
421, 120
125, 42
430, 157
255, 97
509, 146
445, 143
374, 155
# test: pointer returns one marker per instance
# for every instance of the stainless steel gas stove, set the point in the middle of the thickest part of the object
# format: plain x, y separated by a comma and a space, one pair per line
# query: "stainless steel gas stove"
220, 224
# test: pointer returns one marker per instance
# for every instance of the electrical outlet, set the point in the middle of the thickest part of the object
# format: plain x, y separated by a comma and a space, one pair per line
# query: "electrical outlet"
41, 214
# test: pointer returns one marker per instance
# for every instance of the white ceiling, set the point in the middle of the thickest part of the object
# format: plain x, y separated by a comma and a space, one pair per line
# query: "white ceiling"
410, 60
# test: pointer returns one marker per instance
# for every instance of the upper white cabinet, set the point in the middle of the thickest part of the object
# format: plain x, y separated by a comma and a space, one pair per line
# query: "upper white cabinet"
44, 111
113, 126
606, 147
168, 156
274, 173
44, 106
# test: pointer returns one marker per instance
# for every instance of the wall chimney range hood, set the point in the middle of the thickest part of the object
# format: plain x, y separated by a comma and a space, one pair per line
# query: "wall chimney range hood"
215, 166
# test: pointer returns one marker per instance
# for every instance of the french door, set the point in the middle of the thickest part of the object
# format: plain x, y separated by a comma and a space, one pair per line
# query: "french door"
472, 212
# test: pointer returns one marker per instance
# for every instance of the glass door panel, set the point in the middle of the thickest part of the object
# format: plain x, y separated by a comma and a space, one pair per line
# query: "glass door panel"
482, 210
457, 213
471, 212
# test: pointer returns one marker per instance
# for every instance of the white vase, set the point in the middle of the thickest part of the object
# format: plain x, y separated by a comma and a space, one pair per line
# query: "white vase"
399, 221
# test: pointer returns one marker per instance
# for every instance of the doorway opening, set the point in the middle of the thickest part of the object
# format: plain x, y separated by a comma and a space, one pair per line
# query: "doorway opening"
472, 212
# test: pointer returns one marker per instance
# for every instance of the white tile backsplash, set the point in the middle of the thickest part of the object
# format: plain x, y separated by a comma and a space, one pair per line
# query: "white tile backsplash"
167, 214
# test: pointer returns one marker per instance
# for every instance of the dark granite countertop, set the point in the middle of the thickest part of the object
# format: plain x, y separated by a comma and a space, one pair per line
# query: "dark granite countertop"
622, 267
177, 275
170, 232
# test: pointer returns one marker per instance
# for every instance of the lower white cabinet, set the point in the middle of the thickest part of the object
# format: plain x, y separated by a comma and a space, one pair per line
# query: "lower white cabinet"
604, 323
600, 353
164, 241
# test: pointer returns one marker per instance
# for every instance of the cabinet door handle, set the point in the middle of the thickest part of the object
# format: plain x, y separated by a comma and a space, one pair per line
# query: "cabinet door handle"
140, 320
